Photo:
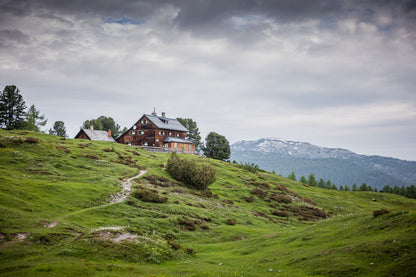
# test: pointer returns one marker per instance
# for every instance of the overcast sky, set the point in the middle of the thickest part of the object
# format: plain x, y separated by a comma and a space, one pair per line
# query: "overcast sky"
332, 73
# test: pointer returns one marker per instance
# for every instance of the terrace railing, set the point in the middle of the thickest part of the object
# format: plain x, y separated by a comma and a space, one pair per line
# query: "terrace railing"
167, 150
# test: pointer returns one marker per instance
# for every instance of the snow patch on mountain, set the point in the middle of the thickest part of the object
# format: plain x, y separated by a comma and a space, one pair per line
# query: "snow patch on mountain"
291, 148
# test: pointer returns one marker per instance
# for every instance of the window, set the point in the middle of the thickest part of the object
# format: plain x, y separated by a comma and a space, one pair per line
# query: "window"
177, 134
141, 132
129, 143
170, 134
175, 145
144, 121
132, 133
145, 143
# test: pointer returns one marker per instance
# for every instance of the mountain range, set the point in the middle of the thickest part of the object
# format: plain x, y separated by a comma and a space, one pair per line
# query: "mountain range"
340, 166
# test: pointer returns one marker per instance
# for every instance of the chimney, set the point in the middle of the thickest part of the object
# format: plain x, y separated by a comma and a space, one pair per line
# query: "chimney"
154, 111
163, 114
91, 128
109, 133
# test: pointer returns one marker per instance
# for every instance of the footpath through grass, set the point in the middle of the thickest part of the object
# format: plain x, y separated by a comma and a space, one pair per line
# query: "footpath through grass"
54, 221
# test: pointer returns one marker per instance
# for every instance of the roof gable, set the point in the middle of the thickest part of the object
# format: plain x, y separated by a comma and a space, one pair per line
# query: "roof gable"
166, 123
97, 135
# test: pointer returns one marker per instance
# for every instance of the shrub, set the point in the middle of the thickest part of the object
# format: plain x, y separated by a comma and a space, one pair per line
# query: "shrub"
231, 221
63, 149
149, 196
91, 156
174, 244
189, 224
282, 188
250, 167
32, 140
249, 198
281, 198
131, 202
380, 212
260, 193
280, 213
189, 172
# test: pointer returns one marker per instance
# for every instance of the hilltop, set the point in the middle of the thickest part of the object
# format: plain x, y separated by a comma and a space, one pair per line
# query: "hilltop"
59, 217
341, 166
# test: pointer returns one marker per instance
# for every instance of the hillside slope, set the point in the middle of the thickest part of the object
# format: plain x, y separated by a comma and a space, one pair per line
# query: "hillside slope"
57, 219
341, 166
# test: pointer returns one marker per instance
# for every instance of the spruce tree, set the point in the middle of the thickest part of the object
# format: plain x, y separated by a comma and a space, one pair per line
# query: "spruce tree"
12, 109
193, 130
312, 181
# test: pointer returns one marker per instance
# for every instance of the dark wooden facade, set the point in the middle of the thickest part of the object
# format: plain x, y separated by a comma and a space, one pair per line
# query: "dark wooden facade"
82, 135
146, 133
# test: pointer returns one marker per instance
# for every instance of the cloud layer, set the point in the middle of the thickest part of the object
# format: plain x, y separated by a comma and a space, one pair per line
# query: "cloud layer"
334, 73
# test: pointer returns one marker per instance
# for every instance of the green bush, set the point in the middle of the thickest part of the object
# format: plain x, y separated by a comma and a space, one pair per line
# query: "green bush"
380, 212
147, 195
200, 176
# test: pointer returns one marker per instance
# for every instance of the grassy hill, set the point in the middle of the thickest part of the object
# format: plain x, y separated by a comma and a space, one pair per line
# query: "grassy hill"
56, 220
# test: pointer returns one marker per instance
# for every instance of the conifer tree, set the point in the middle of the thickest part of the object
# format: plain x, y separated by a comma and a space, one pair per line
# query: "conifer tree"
312, 180
193, 130
12, 108
292, 176
217, 147
34, 120
58, 129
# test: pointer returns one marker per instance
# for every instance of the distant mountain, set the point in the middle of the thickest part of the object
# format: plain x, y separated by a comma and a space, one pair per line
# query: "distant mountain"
341, 166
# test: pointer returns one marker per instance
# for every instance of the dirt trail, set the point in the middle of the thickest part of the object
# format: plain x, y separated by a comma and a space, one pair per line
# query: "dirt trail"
125, 190
114, 199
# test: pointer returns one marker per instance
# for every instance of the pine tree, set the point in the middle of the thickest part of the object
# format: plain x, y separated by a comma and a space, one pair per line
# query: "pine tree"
292, 176
103, 123
321, 183
303, 180
217, 147
12, 108
193, 130
34, 120
328, 184
58, 129
312, 180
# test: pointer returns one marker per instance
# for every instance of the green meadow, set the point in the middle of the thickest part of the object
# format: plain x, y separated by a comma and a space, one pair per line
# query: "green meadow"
56, 218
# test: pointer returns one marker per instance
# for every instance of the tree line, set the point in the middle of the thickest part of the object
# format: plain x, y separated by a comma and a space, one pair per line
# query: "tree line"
13, 115
409, 191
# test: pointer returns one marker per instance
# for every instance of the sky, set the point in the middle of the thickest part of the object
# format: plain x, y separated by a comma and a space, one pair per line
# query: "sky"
330, 72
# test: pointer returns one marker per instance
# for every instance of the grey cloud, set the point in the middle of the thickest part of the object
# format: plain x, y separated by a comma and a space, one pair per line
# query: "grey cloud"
10, 38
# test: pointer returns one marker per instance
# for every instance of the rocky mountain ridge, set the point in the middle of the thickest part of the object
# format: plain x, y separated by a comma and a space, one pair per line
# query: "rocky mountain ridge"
334, 163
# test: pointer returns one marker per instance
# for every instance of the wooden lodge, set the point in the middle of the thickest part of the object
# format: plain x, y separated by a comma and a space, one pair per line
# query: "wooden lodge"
92, 134
159, 134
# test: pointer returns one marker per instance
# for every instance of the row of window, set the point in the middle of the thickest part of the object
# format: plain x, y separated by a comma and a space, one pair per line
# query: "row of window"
161, 133
175, 145
134, 132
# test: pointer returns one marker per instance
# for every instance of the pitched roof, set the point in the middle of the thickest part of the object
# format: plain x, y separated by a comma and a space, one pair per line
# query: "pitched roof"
171, 124
97, 135
180, 140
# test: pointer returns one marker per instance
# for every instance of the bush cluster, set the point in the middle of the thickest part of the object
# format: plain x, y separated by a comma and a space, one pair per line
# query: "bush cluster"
199, 176
147, 195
